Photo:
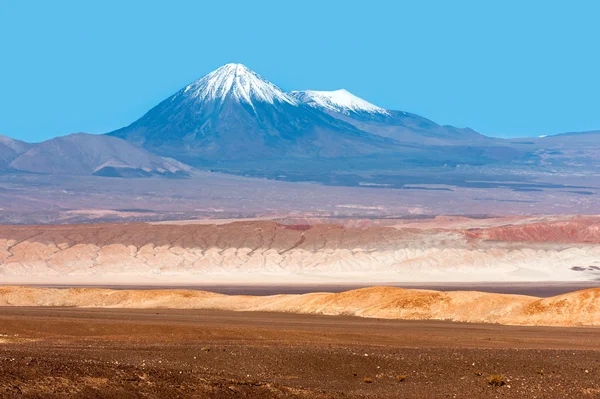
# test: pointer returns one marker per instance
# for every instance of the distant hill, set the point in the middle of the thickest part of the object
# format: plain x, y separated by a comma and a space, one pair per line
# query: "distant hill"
88, 154
9, 150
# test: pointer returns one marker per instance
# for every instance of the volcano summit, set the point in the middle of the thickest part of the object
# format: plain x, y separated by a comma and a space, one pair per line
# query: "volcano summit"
234, 114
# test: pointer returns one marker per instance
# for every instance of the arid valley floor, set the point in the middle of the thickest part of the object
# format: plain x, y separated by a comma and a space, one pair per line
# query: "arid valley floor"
166, 353
504, 307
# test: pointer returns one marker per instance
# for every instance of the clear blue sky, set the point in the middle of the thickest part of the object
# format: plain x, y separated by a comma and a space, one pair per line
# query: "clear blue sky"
505, 68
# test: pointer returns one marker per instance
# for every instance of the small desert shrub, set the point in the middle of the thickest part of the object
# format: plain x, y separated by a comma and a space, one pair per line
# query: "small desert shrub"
540, 372
401, 378
496, 380
478, 373
368, 380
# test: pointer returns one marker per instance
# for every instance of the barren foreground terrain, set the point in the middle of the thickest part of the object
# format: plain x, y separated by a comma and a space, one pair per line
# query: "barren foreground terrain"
124, 353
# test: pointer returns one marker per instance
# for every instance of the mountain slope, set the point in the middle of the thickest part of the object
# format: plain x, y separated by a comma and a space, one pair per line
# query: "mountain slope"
579, 150
397, 125
9, 150
411, 130
234, 114
340, 101
87, 154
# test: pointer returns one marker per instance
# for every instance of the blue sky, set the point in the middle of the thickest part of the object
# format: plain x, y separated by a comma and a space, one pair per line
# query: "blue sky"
505, 68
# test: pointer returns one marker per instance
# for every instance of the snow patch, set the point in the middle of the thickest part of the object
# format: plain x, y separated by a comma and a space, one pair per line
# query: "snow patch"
338, 101
239, 83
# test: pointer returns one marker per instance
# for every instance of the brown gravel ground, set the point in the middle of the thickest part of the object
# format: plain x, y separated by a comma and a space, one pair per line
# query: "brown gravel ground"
104, 353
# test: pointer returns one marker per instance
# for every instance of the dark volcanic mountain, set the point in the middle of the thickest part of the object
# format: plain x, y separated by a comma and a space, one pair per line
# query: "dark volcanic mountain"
234, 114
90, 154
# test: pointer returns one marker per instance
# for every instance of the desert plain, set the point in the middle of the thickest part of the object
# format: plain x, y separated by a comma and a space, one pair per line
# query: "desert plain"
50, 352
299, 307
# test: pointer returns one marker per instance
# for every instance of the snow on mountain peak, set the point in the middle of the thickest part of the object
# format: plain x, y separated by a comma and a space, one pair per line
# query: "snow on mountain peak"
338, 100
238, 82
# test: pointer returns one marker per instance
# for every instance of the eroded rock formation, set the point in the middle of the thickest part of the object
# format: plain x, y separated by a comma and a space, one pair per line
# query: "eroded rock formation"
270, 251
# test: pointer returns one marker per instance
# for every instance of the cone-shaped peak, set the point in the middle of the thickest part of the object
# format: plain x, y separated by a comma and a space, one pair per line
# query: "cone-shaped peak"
238, 82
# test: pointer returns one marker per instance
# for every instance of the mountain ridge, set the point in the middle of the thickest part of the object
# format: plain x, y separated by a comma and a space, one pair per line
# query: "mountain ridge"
340, 100
89, 154
234, 120
10, 149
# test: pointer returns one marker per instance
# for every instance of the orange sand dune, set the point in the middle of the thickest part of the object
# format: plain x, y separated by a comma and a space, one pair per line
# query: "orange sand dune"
580, 308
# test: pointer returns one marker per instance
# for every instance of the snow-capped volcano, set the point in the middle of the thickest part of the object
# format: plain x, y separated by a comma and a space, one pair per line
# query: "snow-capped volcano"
233, 113
338, 101
239, 83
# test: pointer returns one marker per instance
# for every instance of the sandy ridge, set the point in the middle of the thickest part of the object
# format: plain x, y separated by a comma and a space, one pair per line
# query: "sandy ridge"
579, 308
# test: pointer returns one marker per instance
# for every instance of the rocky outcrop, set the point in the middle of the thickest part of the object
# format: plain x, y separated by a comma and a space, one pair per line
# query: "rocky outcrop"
254, 251
578, 229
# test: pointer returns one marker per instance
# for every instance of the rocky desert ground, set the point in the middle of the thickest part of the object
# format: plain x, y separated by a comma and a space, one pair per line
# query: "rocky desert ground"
164, 353
138, 341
